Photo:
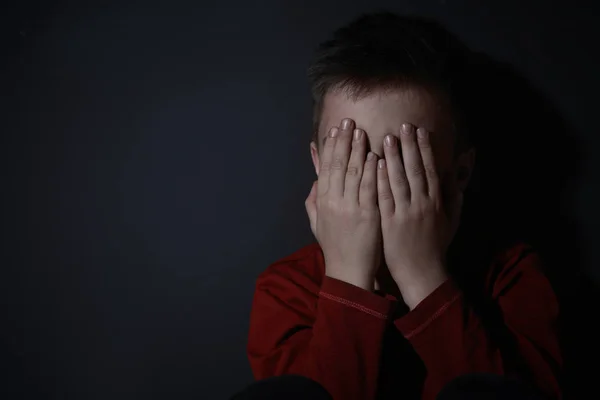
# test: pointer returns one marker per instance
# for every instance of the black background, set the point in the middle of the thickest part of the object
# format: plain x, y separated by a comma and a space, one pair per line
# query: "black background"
156, 160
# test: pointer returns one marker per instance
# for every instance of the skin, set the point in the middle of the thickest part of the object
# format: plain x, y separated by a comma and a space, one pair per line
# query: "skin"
417, 196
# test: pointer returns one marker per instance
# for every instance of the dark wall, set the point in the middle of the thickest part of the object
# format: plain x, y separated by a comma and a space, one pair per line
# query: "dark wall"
156, 161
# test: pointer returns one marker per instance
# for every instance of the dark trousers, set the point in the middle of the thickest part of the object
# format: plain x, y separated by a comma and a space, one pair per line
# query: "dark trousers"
468, 387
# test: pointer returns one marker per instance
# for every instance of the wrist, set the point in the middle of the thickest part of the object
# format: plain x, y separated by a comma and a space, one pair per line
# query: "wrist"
363, 281
419, 285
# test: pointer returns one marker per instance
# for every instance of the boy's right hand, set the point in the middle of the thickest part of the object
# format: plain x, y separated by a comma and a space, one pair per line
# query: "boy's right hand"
342, 208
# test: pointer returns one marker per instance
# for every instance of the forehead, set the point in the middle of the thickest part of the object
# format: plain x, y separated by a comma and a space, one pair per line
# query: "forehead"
383, 112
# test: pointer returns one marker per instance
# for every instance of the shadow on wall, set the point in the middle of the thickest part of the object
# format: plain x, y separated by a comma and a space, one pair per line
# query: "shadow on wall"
527, 162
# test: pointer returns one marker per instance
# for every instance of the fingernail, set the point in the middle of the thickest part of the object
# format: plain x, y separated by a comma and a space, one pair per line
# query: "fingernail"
357, 134
406, 128
381, 163
390, 140
346, 123
333, 132
370, 156
422, 133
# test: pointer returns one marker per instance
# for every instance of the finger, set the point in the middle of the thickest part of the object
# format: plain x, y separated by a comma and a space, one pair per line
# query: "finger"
395, 172
339, 164
413, 165
384, 190
311, 207
367, 196
355, 166
433, 183
327, 156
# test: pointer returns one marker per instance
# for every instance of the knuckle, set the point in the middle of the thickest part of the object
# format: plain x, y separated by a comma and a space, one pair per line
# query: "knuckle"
430, 171
401, 181
322, 201
385, 195
417, 170
419, 212
338, 163
329, 204
352, 171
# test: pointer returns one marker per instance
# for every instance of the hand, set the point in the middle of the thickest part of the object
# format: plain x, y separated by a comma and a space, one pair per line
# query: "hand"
415, 227
342, 208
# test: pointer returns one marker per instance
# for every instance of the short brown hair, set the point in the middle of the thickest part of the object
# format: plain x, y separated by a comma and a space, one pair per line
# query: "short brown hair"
386, 51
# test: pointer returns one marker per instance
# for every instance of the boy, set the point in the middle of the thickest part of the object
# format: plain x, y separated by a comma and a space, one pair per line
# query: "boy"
378, 308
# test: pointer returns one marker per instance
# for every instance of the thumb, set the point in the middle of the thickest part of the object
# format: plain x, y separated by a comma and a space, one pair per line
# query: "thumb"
311, 208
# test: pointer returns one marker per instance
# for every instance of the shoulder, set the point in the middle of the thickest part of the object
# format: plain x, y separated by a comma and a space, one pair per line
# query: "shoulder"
514, 254
512, 263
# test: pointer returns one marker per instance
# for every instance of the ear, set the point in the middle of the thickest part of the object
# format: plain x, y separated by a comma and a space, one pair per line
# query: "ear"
314, 153
464, 166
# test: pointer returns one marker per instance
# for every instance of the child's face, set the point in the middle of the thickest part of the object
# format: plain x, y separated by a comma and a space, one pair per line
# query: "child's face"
384, 112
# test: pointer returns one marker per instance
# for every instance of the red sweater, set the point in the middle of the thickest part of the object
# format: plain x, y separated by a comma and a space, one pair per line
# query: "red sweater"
363, 345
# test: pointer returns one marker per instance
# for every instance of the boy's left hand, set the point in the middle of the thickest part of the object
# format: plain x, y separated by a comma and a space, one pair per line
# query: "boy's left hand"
415, 228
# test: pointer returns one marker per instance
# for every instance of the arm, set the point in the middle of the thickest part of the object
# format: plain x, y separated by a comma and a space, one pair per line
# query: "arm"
520, 340
331, 334
514, 334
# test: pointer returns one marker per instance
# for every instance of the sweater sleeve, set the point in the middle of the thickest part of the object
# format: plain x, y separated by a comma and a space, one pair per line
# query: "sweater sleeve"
515, 335
332, 334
